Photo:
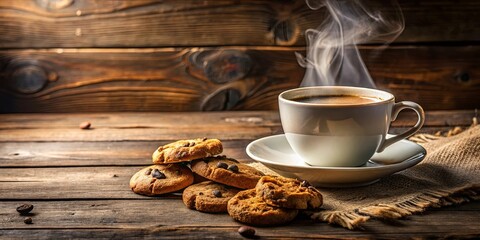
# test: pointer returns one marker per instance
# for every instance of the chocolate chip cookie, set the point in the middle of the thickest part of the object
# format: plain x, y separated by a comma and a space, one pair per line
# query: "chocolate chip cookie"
227, 171
208, 196
160, 179
187, 150
248, 208
288, 193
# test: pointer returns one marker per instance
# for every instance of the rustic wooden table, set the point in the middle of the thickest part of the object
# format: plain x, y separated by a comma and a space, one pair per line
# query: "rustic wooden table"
78, 179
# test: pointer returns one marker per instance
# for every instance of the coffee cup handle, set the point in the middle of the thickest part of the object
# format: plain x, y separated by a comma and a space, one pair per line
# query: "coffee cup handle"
396, 109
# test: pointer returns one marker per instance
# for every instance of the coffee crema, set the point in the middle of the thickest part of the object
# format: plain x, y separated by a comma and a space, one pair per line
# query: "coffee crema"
337, 99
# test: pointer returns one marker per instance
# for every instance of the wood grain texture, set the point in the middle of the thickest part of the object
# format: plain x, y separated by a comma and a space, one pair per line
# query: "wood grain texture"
49, 154
118, 127
125, 120
27, 145
140, 80
196, 79
150, 23
68, 183
137, 219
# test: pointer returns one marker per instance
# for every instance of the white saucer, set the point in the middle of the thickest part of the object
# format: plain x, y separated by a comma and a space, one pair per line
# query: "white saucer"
275, 153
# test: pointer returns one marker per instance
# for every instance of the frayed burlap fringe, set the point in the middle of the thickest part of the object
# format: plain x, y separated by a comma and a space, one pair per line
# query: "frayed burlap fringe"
350, 220
439, 198
424, 137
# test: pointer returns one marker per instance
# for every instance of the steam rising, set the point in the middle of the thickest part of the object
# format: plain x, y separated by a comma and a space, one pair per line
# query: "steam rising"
332, 56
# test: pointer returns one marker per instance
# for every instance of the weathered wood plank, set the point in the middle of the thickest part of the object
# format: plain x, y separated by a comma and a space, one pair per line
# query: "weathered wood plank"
83, 23
214, 233
130, 153
125, 120
42, 154
18, 150
240, 78
67, 183
138, 219
174, 126
111, 214
132, 134
141, 80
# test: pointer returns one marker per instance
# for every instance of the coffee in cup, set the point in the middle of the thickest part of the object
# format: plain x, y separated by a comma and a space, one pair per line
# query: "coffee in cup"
337, 99
339, 126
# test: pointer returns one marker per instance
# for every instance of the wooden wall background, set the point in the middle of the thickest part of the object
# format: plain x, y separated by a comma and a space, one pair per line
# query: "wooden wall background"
192, 55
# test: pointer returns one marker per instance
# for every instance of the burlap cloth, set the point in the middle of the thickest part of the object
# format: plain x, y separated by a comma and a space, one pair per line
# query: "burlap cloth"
449, 174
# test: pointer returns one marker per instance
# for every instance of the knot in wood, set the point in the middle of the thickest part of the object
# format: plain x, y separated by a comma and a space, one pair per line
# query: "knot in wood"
227, 66
284, 32
27, 79
462, 77
224, 99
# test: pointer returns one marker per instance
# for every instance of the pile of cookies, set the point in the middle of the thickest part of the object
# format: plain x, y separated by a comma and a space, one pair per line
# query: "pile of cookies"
214, 184
180, 164
275, 200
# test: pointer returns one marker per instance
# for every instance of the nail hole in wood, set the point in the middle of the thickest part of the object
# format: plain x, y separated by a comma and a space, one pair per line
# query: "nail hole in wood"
52, 76
463, 77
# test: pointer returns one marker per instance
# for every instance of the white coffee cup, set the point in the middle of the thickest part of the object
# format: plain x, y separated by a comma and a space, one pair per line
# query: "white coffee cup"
339, 126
